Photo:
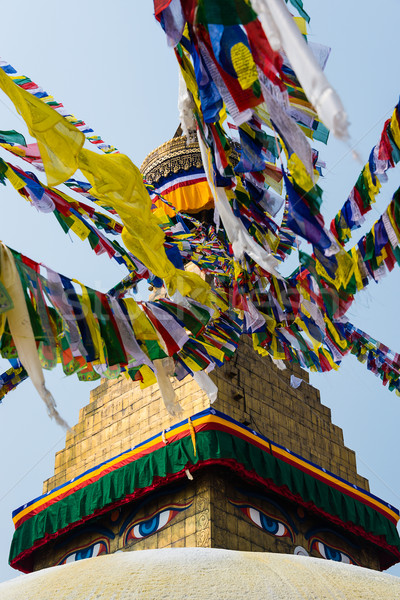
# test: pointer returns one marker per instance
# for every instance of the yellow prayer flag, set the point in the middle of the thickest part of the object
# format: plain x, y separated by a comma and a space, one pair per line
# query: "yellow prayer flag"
118, 182
301, 24
276, 352
340, 341
393, 223
14, 179
13, 149
148, 377
329, 358
345, 268
395, 129
80, 228
299, 173
59, 142
244, 65
142, 327
357, 273
115, 180
93, 325
373, 189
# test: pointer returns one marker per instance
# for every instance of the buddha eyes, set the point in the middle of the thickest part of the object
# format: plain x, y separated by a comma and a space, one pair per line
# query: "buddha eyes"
265, 521
331, 553
138, 529
95, 549
151, 524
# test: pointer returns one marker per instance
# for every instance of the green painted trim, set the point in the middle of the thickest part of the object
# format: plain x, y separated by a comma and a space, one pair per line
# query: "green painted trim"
172, 459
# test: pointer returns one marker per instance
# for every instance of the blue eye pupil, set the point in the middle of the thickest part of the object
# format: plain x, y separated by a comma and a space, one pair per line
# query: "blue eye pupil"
268, 524
150, 526
85, 553
332, 554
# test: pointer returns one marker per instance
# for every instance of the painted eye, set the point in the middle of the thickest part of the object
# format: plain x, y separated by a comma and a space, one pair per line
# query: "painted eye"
87, 552
331, 553
145, 527
265, 521
152, 525
268, 523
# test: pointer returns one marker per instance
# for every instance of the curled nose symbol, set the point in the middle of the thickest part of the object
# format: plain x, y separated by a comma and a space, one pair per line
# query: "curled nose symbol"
300, 551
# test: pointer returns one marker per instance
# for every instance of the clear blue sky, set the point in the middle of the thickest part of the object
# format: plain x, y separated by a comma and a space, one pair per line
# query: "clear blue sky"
109, 64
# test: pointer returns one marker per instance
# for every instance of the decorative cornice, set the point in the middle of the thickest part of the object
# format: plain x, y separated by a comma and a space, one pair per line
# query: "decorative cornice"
218, 440
170, 158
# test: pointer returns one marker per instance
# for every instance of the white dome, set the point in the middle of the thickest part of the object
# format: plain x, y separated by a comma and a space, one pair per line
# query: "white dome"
202, 573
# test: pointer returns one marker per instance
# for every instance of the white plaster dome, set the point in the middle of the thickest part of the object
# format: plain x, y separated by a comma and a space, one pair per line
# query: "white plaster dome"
202, 573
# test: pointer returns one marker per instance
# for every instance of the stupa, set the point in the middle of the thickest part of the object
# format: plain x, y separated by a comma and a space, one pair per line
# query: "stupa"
262, 469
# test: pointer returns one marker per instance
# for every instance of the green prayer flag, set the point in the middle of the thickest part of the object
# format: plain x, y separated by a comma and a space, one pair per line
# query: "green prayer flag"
3, 170
12, 137
225, 12
5, 300
298, 4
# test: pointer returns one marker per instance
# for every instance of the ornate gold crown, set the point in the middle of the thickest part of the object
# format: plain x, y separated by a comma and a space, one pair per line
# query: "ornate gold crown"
171, 157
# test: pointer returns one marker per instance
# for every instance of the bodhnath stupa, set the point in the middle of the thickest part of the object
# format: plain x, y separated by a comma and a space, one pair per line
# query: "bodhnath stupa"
262, 469
232, 482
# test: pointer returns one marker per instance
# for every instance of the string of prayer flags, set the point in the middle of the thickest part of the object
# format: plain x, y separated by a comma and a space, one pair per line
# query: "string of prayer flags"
378, 358
92, 333
376, 252
30, 86
29, 153
71, 214
379, 248
216, 52
114, 179
59, 142
261, 74
233, 46
66, 209
384, 156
